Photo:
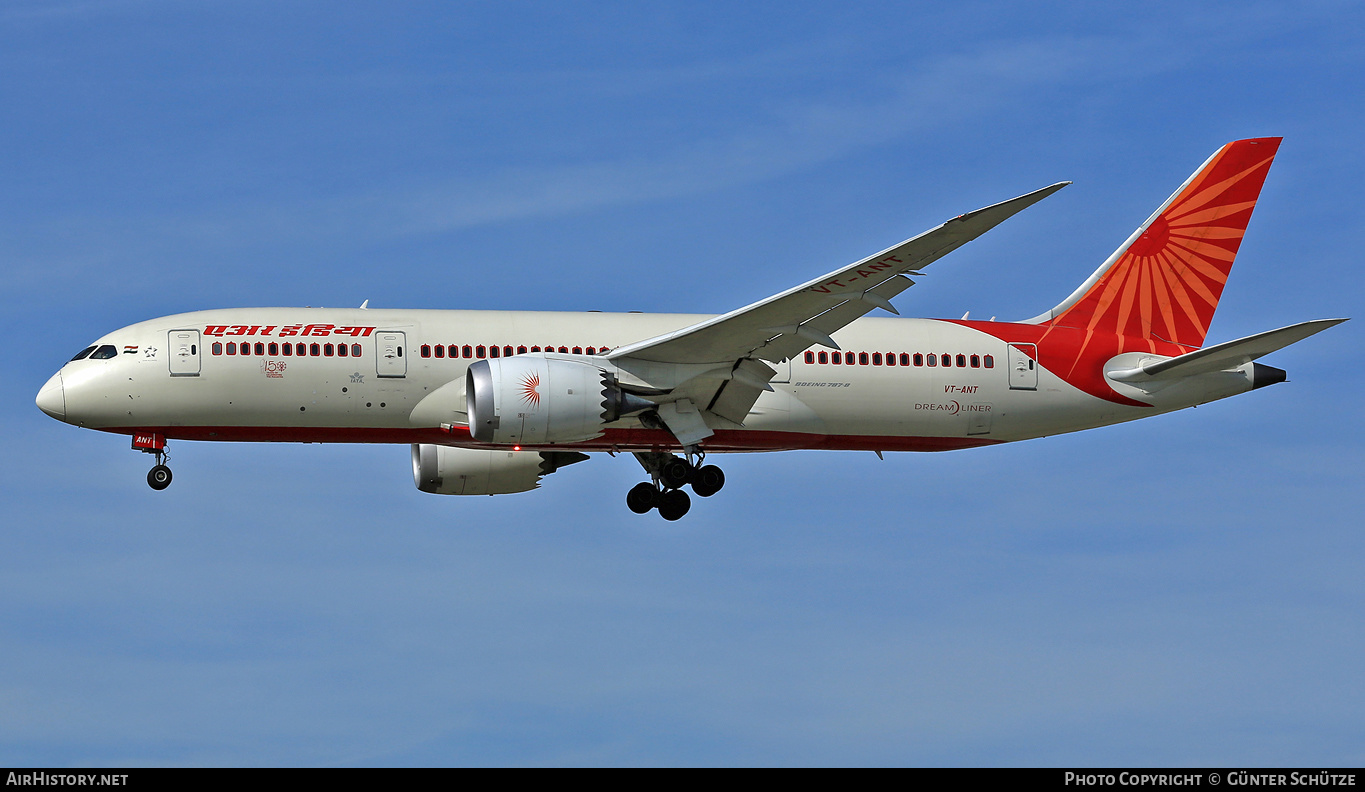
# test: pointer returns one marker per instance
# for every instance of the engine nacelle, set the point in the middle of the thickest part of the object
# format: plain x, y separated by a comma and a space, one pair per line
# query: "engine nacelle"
444, 470
533, 400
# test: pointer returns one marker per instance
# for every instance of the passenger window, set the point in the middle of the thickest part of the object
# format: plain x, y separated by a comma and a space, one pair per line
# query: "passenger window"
591, 350
274, 349
824, 357
507, 351
355, 350
810, 357
314, 350
890, 358
494, 352
535, 349
426, 350
947, 359
287, 349
83, 354
836, 358
976, 361
341, 350
260, 348
481, 351
862, 358
961, 361
876, 358
232, 347
217, 348
521, 350
328, 349
454, 351
919, 359
990, 361
905, 359
440, 351
578, 350
603, 350
467, 351
931, 359
563, 350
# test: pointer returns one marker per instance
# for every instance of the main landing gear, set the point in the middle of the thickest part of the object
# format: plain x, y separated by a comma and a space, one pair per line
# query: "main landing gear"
159, 477
670, 474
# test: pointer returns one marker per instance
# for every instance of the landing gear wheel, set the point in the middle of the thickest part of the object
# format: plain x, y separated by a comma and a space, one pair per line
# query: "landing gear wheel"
159, 477
642, 497
674, 504
707, 481
675, 473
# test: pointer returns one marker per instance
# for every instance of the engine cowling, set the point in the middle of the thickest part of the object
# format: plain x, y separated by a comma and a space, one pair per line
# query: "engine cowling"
534, 400
444, 470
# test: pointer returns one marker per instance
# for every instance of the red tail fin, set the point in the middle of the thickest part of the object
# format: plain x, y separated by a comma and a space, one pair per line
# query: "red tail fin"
1165, 281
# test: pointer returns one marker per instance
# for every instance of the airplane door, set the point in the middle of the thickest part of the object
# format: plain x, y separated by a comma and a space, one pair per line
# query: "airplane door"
184, 353
784, 371
1023, 368
390, 360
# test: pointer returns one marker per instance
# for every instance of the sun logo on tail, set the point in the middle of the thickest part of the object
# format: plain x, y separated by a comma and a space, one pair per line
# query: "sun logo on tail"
1166, 284
530, 389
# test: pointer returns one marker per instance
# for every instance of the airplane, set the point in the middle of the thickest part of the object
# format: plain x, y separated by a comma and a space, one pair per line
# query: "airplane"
491, 402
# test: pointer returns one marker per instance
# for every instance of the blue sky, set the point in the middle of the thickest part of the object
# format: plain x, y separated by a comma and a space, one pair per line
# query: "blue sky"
1182, 590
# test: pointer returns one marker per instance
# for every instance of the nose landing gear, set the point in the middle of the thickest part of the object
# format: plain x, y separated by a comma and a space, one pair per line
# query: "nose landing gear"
672, 473
159, 477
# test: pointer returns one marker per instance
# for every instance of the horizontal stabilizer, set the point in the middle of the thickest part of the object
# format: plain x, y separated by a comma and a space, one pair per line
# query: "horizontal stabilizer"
1222, 357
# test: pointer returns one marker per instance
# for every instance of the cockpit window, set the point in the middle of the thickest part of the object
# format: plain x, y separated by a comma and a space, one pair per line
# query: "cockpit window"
104, 353
84, 353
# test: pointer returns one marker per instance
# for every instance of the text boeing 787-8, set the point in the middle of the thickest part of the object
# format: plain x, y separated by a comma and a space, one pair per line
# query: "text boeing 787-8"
492, 401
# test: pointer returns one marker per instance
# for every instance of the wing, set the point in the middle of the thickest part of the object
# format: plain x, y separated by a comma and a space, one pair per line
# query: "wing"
728, 348
785, 324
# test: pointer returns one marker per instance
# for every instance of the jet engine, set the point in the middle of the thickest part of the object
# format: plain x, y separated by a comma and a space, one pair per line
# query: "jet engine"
443, 470
533, 399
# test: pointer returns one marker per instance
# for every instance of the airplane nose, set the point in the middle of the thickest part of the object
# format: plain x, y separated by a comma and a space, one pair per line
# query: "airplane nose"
52, 398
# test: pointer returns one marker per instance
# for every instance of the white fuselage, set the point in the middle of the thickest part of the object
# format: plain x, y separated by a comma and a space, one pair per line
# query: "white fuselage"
176, 376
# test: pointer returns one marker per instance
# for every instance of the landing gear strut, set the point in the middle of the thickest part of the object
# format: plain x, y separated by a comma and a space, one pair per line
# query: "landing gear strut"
159, 477
670, 474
